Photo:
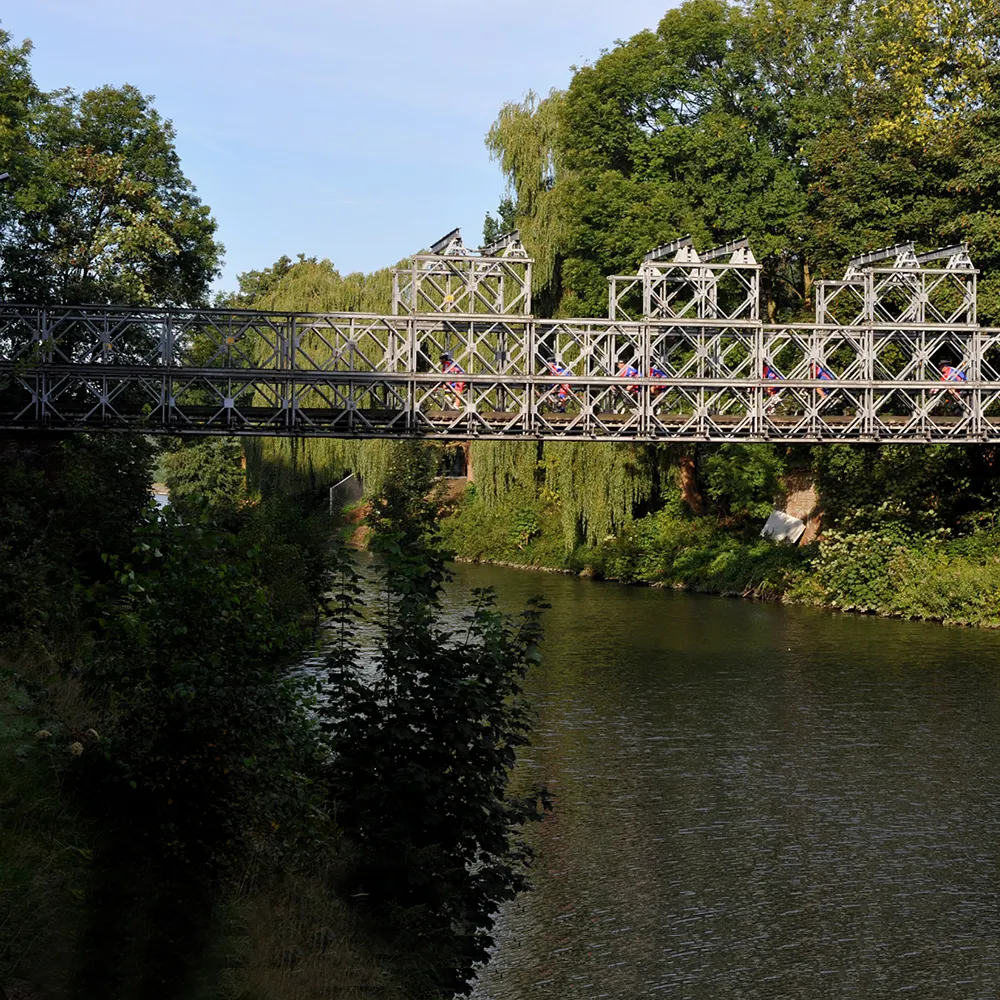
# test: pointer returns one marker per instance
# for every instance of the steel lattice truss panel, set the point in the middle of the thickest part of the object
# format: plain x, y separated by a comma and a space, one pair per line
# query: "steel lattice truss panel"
453, 283
686, 290
899, 295
889, 377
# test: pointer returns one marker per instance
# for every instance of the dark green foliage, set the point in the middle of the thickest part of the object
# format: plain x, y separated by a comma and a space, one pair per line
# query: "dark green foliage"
97, 208
205, 748
179, 636
424, 744
209, 469
924, 488
188, 666
62, 504
504, 223
744, 479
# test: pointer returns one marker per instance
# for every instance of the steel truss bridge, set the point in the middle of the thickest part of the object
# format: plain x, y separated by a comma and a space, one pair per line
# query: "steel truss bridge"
895, 354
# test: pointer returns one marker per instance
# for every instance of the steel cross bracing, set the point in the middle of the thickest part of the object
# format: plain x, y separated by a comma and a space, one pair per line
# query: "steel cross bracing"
452, 279
896, 355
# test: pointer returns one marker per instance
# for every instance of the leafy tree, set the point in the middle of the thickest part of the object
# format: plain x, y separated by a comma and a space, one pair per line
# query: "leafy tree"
744, 479
20, 102
99, 208
423, 746
922, 488
210, 470
63, 504
523, 141
504, 223
255, 285
310, 285
204, 751
819, 128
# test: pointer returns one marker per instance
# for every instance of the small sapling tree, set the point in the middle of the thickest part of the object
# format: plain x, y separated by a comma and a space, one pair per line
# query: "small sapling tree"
425, 740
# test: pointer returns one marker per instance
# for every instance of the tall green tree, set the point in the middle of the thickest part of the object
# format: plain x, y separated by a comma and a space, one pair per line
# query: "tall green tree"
424, 742
98, 207
819, 128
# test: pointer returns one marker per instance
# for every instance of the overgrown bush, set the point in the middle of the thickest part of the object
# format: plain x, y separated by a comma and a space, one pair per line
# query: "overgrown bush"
63, 502
924, 487
744, 479
424, 743
208, 470
856, 570
204, 750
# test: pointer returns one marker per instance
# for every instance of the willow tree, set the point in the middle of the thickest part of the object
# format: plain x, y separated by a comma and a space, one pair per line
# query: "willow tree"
311, 285
523, 141
818, 128
596, 486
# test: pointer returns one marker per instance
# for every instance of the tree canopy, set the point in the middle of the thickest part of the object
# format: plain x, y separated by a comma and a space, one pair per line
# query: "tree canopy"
819, 128
97, 207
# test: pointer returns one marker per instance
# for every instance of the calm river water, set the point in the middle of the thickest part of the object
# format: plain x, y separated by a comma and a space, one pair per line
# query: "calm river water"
754, 801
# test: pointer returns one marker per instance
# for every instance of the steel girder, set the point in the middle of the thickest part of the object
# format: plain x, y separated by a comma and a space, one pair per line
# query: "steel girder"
350, 375
903, 294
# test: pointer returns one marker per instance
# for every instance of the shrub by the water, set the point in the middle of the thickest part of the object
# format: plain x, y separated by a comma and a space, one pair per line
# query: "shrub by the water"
423, 743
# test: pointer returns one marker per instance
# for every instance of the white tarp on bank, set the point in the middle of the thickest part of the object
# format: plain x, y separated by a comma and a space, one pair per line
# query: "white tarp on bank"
782, 527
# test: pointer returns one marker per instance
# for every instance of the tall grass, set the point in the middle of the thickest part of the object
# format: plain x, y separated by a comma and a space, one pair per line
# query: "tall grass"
294, 936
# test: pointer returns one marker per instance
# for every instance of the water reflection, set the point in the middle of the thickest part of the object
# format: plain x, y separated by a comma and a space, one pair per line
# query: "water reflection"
754, 801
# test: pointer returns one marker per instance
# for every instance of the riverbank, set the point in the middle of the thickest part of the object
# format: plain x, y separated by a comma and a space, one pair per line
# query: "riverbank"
888, 569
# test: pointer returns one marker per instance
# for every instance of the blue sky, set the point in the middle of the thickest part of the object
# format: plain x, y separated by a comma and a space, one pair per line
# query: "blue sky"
352, 131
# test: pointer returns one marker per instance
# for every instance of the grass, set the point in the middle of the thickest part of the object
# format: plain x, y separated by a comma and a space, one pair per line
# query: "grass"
293, 936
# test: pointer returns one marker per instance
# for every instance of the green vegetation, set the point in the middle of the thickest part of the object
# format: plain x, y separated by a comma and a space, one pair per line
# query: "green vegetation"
187, 811
177, 779
908, 532
308, 285
804, 125
809, 128
97, 208
527, 516
423, 748
188, 814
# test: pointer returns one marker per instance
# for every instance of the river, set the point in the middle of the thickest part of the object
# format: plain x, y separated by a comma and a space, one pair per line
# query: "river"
753, 801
